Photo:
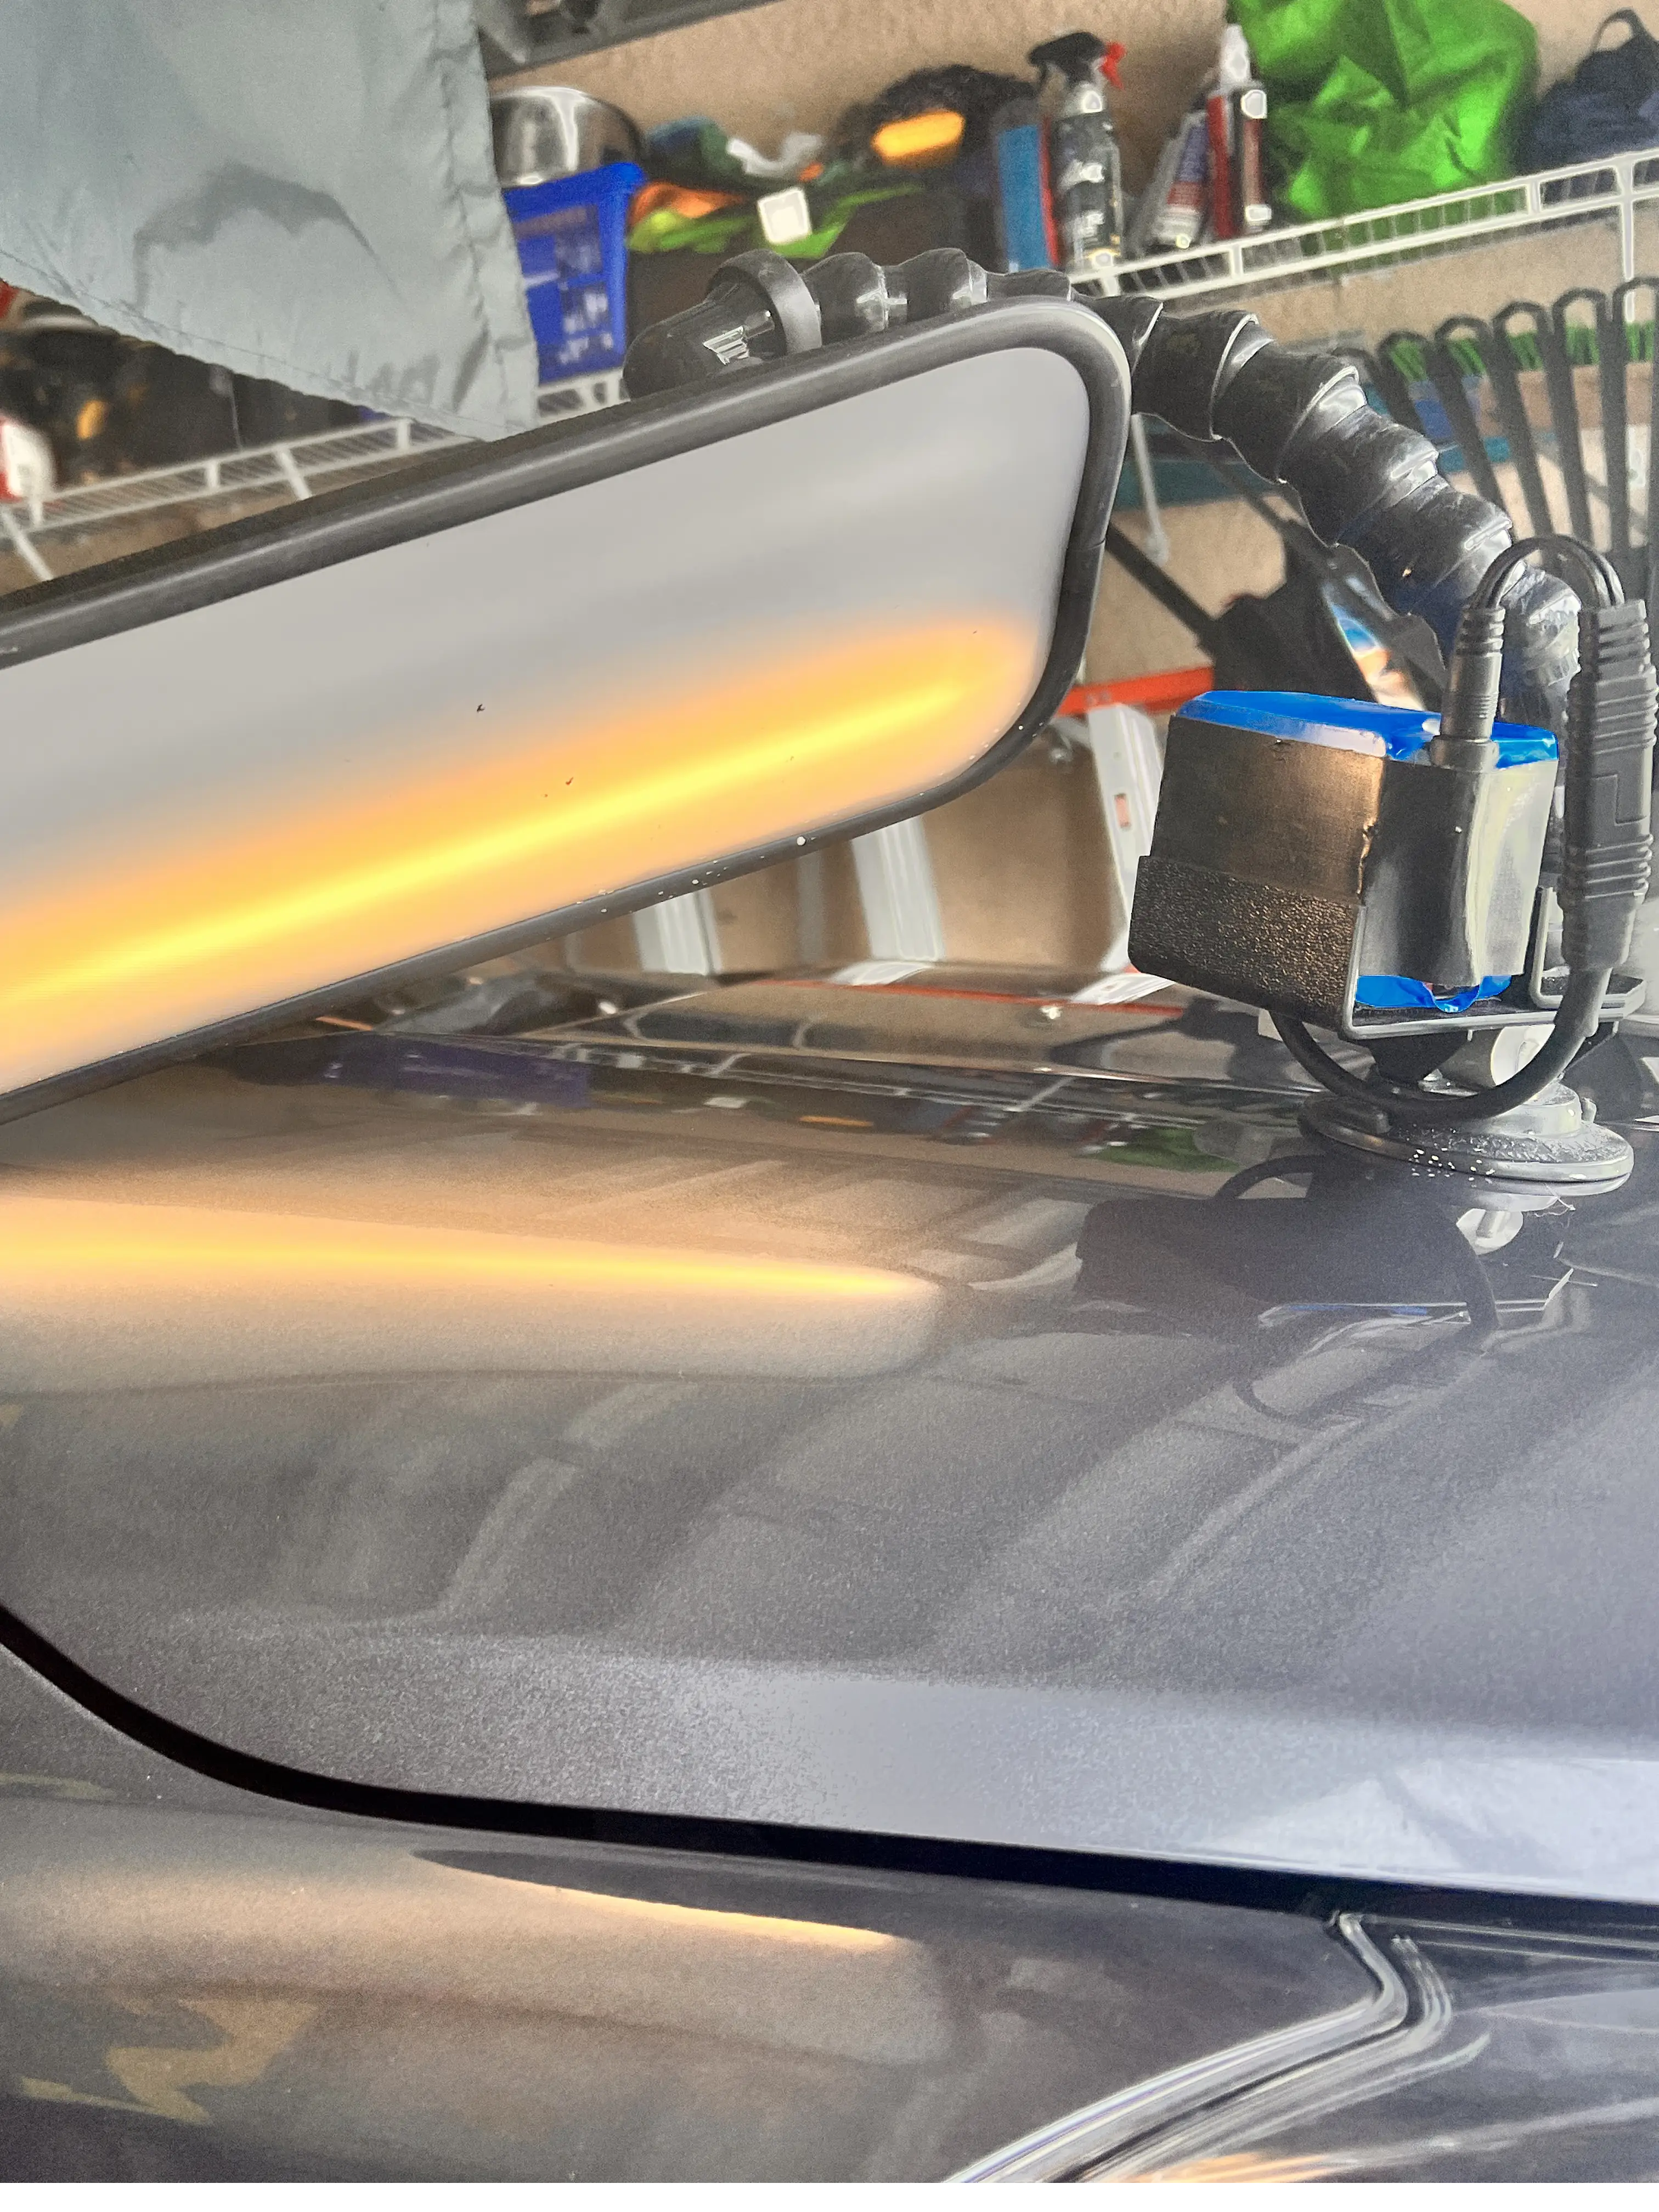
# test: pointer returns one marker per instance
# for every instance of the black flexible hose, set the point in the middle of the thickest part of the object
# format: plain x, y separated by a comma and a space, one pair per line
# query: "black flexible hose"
1300, 420
1303, 421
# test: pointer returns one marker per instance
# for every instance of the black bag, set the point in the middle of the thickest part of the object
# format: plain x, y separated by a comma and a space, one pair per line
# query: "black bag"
1609, 105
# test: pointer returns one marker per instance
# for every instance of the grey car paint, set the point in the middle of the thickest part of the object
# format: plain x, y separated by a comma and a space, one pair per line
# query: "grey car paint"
202, 1982
202, 1995
1295, 1527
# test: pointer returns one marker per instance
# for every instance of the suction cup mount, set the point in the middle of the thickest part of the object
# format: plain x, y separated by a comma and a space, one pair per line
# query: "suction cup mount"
1553, 1140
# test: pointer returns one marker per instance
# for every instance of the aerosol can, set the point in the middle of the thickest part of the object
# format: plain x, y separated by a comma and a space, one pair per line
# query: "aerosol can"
1171, 215
1236, 109
1086, 166
1221, 112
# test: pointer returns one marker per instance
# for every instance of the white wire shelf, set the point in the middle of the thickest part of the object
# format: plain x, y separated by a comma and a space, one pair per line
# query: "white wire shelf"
295, 469
1449, 222
1615, 188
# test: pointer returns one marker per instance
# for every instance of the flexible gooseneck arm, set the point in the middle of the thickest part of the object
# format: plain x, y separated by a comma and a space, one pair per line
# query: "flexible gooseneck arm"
1302, 420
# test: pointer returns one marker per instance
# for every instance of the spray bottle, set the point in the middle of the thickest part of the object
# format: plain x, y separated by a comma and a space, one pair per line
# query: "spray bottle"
1087, 168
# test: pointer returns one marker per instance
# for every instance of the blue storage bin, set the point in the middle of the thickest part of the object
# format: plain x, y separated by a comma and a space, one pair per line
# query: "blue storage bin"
572, 236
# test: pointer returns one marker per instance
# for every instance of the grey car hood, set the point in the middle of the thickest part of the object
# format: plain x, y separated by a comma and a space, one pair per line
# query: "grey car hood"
865, 1410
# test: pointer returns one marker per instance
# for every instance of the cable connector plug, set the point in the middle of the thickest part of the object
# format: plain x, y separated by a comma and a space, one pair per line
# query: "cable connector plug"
1609, 846
1608, 849
1468, 712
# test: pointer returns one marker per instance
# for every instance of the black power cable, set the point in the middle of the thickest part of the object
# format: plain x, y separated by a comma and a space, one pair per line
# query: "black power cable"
1575, 1023
1607, 846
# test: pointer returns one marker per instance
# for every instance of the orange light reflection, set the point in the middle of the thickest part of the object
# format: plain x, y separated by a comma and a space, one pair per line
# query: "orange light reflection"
75, 1242
113, 1295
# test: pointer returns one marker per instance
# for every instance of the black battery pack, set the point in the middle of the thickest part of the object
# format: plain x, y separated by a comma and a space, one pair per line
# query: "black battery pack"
1309, 855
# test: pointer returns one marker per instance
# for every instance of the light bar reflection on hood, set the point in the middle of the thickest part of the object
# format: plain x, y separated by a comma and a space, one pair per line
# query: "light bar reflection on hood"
106, 1296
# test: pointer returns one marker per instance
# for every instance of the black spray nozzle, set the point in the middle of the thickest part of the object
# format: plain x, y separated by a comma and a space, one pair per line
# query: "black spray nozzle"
1079, 56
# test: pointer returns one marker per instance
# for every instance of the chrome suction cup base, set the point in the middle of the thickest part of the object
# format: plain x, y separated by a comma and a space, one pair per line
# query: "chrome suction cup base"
1553, 1139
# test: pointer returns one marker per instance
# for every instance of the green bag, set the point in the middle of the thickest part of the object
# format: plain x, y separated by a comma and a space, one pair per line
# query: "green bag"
1372, 102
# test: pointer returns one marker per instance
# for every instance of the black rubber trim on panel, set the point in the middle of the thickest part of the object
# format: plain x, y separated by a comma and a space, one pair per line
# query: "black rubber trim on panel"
454, 488
1195, 1882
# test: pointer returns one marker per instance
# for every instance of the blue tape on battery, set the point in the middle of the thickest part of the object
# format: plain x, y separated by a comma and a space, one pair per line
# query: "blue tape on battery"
1358, 726
1395, 990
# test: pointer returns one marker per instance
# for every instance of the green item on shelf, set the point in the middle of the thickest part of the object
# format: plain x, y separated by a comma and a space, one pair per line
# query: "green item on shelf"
728, 230
1375, 101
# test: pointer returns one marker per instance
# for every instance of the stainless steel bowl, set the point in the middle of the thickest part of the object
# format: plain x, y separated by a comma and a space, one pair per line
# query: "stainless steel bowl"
548, 130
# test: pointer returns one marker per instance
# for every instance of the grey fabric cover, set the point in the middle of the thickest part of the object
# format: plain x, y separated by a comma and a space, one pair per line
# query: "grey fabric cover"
296, 189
